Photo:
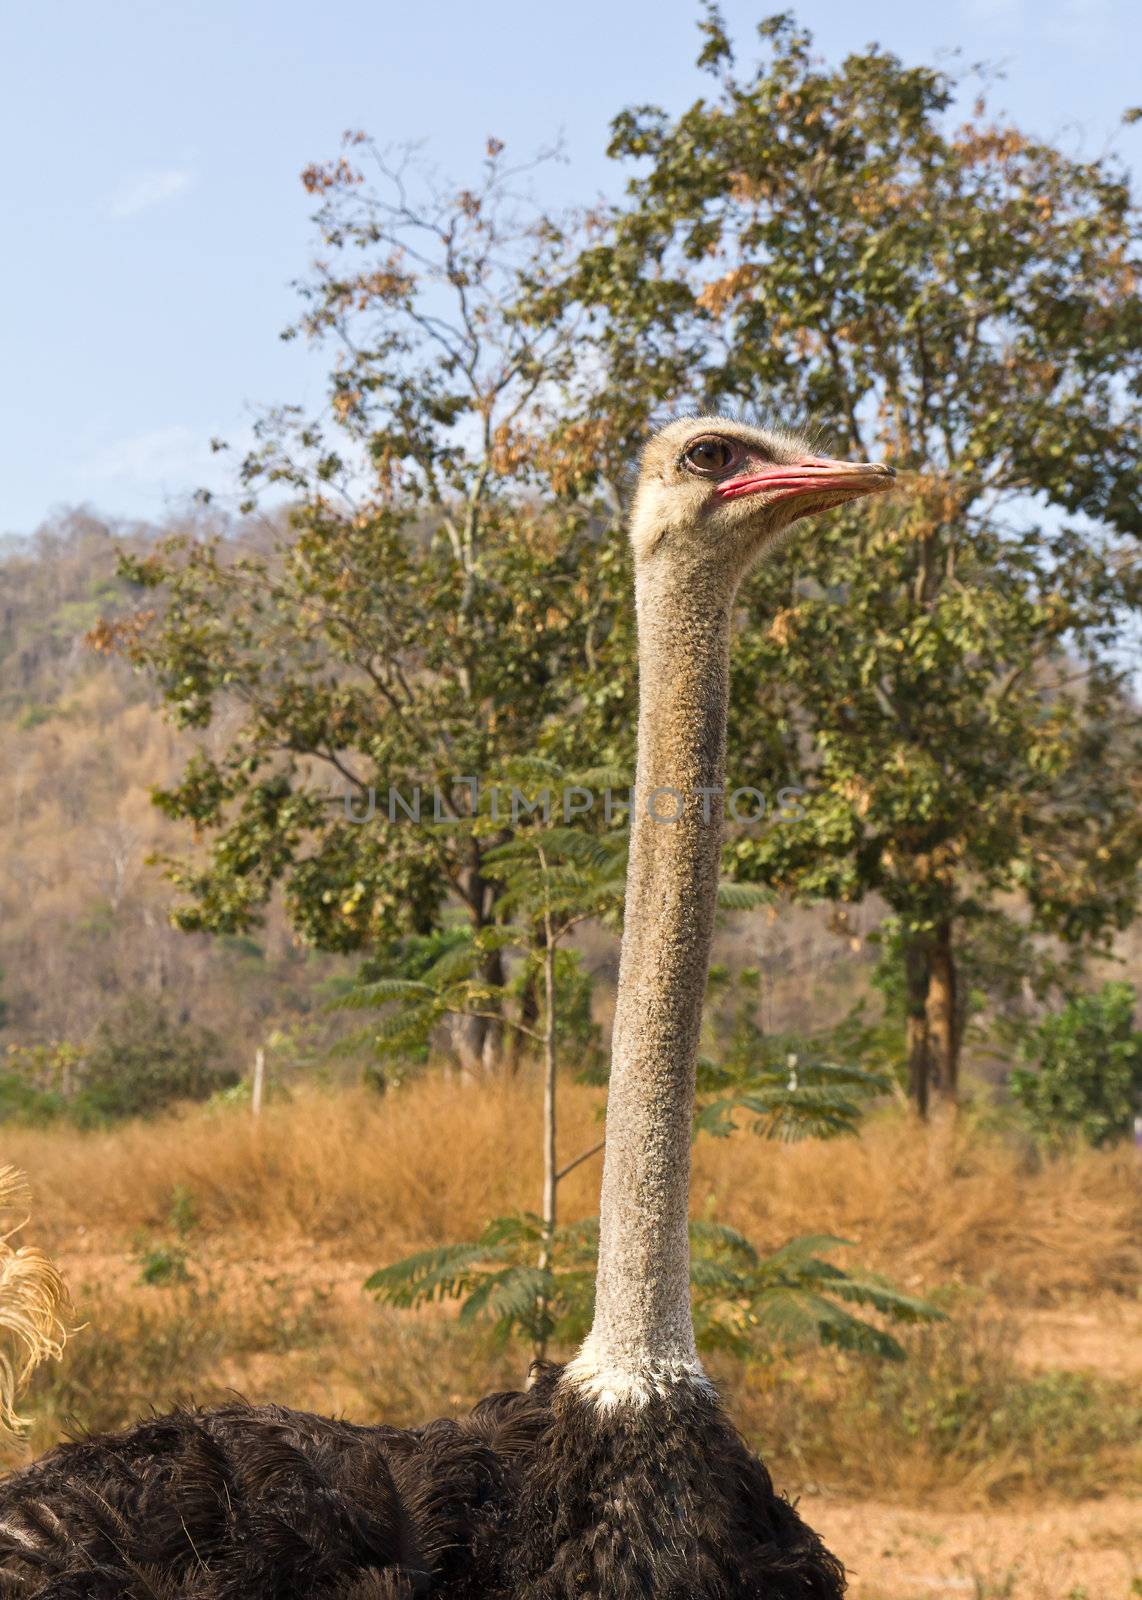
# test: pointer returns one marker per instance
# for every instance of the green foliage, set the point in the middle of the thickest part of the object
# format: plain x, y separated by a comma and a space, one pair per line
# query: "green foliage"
452, 984
138, 1061
785, 1093
832, 242
1087, 1077
942, 672
578, 1037
21, 1101
35, 716
163, 1265
791, 1297
183, 1217
497, 1278
785, 1086
550, 877
743, 1301
979, 1394
41, 1082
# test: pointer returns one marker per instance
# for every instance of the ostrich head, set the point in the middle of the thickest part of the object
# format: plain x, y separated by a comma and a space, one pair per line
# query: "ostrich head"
714, 492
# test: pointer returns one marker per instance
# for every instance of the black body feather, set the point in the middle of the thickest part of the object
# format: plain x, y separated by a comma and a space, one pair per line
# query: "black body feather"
534, 1496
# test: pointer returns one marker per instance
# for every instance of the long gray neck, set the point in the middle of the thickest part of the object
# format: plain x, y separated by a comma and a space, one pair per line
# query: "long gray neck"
643, 1337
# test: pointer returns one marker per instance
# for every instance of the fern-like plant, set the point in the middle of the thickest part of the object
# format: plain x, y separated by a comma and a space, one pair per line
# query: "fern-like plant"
784, 1094
742, 1298
498, 1279
780, 1086
790, 1297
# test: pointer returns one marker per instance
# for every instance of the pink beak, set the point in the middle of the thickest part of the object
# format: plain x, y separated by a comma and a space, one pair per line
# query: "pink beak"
815, 478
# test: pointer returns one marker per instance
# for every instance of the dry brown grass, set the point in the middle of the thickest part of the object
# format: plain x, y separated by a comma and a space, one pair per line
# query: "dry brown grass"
947, 1203
425, 1165
1046, 1550
380, 1176
958, 1424
282, 1223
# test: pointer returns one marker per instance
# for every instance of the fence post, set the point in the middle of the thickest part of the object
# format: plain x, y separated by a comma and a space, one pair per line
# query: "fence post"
259, 1082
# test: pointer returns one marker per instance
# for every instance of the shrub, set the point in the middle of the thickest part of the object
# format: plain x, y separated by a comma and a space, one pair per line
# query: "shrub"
960, 1418
1089, 1074
140, 1060
21, 1101
163, 1264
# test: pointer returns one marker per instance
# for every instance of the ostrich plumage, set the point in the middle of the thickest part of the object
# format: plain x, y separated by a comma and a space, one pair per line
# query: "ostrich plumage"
618, 1475
532, 1495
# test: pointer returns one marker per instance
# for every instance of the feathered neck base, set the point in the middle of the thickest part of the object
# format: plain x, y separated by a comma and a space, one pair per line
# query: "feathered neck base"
659, 1500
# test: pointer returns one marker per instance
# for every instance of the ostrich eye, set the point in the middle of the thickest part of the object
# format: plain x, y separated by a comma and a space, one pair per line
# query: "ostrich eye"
708, 457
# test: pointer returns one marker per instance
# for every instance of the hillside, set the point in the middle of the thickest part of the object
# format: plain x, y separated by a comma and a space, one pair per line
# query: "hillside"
83, 912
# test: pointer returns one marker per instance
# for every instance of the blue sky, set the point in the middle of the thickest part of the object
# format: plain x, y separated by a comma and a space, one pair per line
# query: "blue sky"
154, 218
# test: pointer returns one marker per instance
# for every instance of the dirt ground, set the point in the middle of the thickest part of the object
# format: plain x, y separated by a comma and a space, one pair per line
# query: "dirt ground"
1089, 1550
1085, 1551
1102, 1336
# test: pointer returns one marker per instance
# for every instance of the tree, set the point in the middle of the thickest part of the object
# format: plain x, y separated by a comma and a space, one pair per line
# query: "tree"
417, 616
944, 672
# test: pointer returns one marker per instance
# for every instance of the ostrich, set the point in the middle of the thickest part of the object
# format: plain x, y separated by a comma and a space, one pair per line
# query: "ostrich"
619, 1474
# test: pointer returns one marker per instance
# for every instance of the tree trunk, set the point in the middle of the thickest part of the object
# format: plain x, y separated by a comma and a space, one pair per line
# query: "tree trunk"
479, 1041
467, 1038
943, 1013
517, 1043
916, 971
